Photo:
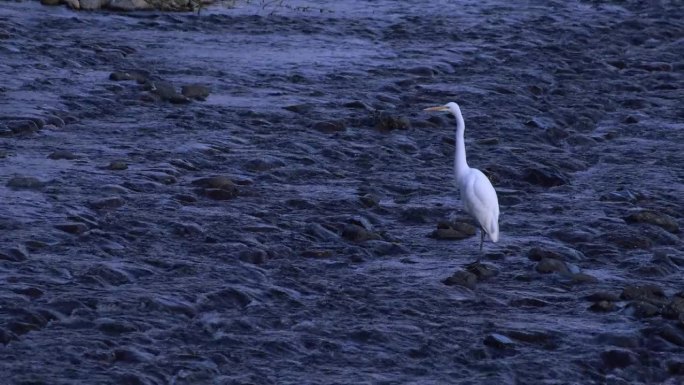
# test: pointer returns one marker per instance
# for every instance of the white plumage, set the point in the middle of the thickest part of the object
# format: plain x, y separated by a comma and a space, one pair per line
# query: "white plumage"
477, 193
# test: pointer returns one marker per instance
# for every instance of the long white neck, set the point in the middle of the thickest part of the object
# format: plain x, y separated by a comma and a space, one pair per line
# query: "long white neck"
460, 163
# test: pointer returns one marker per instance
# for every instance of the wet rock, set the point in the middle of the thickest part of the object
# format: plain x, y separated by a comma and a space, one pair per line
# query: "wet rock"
73, 4
31, 292
462, 278
387, 122
329, 126
129, 5
107, 203
358, 104
63, 154
676, 368
538, 253
642, 309
481, 270
50, 2
556, 135
675, 308
7, 336
544, 177
161, 177
217, 187
19, 328
631, 119
195, 91
645, 292
139, 76
25, 183
551, 265
383, 248
672, 335
213, 182
355, 233
22, 127
254, 256
117, 165
15, 254
532, 337
603, 307
617, 358
72, 228
582, 278
299, 108
316, 253
167, 92
627, 240
603, 296
659, 219
55, 121
453, 231
185, 198
370, 200
131, 356
416, 215
619, 340
92, 4
188, 229
498, 341
221, 194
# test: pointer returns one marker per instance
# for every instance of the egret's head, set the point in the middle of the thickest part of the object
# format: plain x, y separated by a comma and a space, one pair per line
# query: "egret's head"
449, 107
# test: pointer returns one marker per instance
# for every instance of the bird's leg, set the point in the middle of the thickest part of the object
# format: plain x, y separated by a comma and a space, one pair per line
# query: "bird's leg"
482, 236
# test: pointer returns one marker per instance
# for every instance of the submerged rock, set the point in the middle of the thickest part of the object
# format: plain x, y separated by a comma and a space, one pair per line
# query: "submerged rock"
655, 218
72, 228
26, 182
387, 122
63, 154
462, 278
617, 358
107, 203
675, 308
642, 309
603, 306
196, 91
117, 165
453, 231
544, 177
646, 292
355, 233
329, 126
498, 341
481, 270
167, 92
551, 265
216, 187
139, 76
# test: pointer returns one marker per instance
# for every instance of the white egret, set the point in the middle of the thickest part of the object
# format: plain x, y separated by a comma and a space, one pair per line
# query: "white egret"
477, 193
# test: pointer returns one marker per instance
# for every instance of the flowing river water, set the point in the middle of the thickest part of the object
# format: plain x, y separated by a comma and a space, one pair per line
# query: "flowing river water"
281, 230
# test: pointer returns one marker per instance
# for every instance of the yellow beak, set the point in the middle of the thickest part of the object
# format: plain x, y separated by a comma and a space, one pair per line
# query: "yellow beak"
438, 108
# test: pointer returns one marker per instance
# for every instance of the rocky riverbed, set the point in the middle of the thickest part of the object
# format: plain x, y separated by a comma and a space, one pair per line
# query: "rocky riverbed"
254, 195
